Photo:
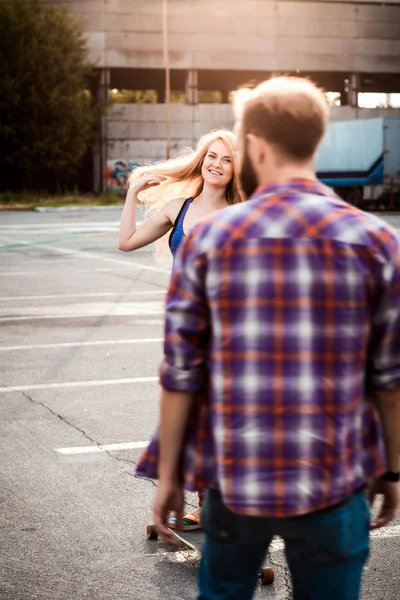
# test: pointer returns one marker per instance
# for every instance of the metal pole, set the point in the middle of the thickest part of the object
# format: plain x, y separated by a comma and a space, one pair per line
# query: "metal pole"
167, 78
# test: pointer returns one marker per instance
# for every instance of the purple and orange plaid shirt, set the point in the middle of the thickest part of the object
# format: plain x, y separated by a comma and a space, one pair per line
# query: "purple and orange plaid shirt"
286, 310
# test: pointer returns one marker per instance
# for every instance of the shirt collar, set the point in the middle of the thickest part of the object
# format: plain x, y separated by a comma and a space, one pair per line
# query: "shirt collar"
310, 186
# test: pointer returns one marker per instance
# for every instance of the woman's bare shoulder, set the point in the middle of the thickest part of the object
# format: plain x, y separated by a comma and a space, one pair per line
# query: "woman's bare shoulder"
173, 207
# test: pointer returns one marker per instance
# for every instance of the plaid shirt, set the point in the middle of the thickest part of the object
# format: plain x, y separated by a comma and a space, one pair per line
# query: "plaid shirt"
288, 306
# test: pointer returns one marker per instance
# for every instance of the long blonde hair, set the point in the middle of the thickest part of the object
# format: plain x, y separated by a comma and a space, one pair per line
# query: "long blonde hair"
183, 172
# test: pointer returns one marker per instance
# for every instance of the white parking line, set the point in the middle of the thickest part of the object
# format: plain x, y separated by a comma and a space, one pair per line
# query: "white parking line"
91, 255
85, 295
54, 224
386, 532
277, 545
136, 322
75, 384
82, 310
62, 224
102, 448
51, 267
78, 229
4, 240
119, 261
75, 344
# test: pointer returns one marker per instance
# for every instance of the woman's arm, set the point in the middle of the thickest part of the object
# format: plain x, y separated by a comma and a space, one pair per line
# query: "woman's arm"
130, 236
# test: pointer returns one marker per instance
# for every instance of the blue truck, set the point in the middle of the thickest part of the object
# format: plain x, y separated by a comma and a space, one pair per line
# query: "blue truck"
360, 159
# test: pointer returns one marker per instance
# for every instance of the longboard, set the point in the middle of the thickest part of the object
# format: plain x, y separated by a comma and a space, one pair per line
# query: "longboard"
194, 540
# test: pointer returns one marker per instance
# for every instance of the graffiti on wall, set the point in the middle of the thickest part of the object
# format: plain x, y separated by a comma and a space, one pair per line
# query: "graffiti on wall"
117, 172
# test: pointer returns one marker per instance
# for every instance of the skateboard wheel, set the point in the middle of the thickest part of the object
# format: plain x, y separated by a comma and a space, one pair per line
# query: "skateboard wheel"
267, 576
151, 532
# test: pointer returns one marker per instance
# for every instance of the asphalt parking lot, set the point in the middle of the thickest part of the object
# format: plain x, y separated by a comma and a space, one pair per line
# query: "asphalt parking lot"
80, 343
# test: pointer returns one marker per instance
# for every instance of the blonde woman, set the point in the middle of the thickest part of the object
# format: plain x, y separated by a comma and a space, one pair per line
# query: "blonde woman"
188, 188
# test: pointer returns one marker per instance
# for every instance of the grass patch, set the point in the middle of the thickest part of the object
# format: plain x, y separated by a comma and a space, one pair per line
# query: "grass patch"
31, 200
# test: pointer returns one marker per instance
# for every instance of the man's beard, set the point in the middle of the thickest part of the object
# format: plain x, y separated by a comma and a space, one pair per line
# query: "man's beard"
248, 176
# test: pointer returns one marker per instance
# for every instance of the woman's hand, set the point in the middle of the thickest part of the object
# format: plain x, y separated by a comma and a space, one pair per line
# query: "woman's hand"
146, 181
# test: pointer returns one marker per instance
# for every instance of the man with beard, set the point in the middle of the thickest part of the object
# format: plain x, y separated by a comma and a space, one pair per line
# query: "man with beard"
288, 306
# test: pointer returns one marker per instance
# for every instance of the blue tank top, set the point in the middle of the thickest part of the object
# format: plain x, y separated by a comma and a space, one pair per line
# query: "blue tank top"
177, 235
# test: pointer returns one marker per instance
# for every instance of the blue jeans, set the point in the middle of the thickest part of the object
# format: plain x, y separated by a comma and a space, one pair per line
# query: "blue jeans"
325, 550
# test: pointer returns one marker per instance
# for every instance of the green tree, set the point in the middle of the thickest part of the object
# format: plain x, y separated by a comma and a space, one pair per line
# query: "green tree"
46, 113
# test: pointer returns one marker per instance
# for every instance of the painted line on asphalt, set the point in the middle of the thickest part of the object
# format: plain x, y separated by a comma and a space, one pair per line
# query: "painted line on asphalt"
66, 227
4, 239
79, 344
76, 384
91, 255
277, 545
118, 261
84, 310
60, 224
85, 295
386, 532
33, 318
39, 242
78, 228
50, 268
102, 448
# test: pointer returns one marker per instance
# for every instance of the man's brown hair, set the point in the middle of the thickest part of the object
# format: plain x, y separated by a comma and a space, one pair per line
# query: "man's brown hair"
290, 113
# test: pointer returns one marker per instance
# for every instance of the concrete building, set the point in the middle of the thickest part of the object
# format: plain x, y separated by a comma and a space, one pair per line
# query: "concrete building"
346, 46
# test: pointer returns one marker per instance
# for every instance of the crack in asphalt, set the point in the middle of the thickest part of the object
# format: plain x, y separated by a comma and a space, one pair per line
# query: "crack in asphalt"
287, 580
58, 416
87, 436
286, 577
137, 279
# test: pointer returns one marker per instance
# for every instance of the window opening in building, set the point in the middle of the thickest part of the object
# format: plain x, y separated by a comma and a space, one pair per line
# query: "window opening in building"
378, 100
133, 96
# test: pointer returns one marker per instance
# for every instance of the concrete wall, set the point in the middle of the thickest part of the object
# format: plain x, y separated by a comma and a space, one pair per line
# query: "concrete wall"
138, 130
345, 43
357, 36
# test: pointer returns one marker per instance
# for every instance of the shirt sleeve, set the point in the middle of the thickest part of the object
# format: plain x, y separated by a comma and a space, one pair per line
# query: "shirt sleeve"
187, 322
384, 356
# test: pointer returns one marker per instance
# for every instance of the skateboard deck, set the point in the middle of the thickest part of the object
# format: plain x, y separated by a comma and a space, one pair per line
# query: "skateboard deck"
194, 540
